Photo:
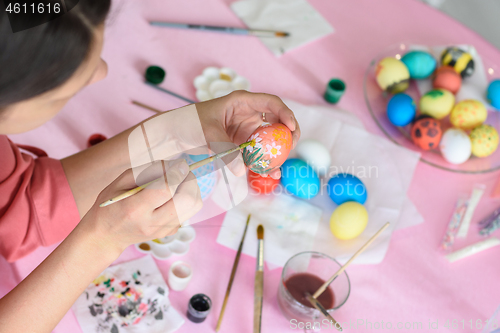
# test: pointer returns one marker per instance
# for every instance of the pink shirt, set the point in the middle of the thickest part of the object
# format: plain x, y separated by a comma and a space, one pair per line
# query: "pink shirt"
37, 207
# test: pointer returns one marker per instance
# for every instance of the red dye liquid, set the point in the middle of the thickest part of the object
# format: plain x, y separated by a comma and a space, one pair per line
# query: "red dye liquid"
300, 284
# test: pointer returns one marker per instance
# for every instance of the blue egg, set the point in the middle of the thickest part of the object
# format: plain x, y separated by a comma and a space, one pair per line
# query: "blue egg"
299, 179
206, 177
345, 187
420, 64
401, 109
493, 94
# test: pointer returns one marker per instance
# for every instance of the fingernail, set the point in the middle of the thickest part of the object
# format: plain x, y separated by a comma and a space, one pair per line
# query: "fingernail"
293, 122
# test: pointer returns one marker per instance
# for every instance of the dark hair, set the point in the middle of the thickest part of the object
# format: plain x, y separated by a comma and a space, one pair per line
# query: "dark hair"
42, 58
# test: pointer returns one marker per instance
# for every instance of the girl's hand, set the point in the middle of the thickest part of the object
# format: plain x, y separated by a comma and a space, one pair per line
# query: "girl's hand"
234, 117
155, 212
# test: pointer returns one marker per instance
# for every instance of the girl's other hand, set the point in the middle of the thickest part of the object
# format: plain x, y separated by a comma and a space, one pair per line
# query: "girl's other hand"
234, 117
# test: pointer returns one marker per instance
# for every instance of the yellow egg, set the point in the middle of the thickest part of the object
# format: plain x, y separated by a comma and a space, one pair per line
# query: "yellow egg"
437, 103
392, 75
349, 220
468, 114
484, 140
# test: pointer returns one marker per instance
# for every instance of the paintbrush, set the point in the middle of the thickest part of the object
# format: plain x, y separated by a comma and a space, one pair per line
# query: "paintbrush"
314, 302
327, 283
233, 273
191, 168
142, 105
190, 101
259, 282
229, 30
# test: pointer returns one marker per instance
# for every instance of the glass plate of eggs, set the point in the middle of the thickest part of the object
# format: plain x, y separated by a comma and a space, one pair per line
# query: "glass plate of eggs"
439, 101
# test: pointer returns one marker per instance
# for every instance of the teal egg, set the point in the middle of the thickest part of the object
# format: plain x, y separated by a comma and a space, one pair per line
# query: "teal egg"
299, 179
421, 64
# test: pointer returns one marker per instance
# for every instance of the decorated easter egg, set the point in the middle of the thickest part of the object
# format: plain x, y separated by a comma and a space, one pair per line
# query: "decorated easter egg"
468, 114
299, 179
345, 187
455, 146
493, 94
437, 103
446, 78
484, 140
401, 109
271, 144
261, 185
205, 175
426, 133
349, 220
392, 75
420, 64
461, 61
315, 154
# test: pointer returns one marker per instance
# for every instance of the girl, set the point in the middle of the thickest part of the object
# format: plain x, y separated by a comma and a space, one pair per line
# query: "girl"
43, 200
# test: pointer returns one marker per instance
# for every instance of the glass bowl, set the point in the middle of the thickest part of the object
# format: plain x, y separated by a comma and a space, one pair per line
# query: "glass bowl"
377, 99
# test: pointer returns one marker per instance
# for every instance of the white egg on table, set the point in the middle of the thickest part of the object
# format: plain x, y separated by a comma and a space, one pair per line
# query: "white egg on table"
315, 154
455, 146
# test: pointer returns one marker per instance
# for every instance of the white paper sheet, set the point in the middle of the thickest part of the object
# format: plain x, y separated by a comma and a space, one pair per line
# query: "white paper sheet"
297, 17
385, 168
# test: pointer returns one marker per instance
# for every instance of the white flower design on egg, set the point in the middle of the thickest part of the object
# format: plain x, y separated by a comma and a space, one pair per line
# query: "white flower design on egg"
215, 83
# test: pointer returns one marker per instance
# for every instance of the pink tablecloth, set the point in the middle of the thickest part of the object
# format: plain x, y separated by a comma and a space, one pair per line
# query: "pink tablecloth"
414, 283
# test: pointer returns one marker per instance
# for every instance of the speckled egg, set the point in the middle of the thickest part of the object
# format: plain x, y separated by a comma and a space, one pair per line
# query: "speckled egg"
315, 154
484, 139
271, 144
299, 178
349, 220
437, 103
446, 78
493, 94
426, 133
455, 146
420, 64
468, 114
401, 109
461, 61
392, 75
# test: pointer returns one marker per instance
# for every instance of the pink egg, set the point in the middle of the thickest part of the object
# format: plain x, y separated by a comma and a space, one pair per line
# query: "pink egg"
271, 144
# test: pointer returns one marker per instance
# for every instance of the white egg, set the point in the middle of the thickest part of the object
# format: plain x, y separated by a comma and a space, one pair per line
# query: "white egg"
455, 146
315, 154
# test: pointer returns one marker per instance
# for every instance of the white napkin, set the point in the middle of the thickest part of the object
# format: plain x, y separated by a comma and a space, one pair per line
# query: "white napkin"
90, 308
289, 224
473, 87
297, 17
352, 150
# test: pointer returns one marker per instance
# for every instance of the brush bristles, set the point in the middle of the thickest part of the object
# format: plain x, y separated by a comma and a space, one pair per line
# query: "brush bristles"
260, 232
282, 34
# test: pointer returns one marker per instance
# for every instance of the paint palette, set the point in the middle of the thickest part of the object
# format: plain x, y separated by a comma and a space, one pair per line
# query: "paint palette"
164, 248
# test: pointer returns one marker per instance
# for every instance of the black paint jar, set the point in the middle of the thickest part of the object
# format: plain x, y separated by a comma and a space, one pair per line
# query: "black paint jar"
198, 308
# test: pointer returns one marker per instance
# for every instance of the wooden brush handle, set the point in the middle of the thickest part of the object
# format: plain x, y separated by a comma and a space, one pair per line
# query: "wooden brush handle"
257, 304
